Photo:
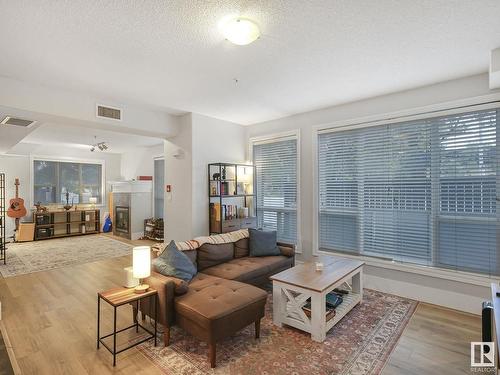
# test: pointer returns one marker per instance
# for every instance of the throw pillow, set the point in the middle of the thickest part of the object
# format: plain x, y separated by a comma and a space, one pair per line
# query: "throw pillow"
210, 255
173, 262
263, 243
241, 248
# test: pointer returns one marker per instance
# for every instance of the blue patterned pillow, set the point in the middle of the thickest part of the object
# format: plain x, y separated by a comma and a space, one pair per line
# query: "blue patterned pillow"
173, 262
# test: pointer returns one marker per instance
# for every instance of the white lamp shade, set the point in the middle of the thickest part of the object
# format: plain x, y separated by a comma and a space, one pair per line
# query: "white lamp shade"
93, 200
141, 261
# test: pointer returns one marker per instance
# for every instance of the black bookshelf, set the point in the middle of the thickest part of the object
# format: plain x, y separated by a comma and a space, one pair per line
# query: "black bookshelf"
56, 224
3, 204
231, 189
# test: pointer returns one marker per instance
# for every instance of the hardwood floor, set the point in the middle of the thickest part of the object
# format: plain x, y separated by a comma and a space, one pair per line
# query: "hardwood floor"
436, 341
50, 318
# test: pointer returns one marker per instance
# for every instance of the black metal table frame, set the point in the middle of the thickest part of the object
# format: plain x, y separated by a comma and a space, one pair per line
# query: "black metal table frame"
136, 325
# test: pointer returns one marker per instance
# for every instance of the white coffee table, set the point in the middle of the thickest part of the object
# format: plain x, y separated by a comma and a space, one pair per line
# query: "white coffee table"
293, 287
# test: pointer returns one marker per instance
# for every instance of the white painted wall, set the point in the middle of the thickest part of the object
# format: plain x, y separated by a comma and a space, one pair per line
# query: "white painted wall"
178, 173
213, 141
15, 167
425, 288
47, 104
20, 166
140, 161
203, 140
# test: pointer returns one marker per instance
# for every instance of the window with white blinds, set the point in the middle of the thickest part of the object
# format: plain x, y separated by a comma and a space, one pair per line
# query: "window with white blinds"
276, 181
421, 192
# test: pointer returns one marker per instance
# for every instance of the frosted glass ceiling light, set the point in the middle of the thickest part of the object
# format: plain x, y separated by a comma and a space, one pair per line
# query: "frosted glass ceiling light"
240, 31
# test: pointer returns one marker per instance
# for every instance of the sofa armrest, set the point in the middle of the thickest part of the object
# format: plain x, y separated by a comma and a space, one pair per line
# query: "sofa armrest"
286, 249
180, 286
167, 288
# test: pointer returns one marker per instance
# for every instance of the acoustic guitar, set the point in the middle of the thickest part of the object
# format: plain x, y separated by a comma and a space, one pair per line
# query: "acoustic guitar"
16, 205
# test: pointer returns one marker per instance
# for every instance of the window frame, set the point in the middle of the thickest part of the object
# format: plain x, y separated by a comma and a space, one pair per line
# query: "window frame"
461, 106
277, 137
100, 162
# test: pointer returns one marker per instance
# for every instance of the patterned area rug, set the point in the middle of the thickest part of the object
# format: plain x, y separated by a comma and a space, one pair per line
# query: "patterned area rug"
28, 257
359, 344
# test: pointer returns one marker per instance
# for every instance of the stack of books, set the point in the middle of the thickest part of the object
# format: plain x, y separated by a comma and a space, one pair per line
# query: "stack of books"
332, 300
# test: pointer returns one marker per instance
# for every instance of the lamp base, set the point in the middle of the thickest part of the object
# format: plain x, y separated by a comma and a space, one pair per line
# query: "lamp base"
141, 288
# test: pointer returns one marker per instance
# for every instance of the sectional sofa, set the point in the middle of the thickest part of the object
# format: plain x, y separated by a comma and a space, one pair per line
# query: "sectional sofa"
224, 296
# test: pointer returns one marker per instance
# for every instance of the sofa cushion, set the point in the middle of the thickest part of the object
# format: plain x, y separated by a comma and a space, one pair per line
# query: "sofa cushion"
173, 262
263, 243
211, 298
249, 268
241, 248
213, 254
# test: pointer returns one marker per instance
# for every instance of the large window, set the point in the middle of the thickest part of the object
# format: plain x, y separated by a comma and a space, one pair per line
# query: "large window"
276, 167
421, 192
53, 179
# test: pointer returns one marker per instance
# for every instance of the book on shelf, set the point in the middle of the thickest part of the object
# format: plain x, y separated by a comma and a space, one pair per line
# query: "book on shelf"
224, 188
215, 209
229, 211
332, 301
330, 313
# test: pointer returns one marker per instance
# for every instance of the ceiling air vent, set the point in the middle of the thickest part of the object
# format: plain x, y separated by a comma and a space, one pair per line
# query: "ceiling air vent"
107, 112
9, 120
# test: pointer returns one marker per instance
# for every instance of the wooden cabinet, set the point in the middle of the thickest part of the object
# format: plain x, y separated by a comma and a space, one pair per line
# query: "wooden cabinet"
66, 223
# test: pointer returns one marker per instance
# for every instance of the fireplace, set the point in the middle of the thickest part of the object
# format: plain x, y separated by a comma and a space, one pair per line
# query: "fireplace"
131, 206
122, 221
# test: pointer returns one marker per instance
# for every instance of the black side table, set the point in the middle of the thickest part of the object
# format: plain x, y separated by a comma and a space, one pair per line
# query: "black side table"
121, 296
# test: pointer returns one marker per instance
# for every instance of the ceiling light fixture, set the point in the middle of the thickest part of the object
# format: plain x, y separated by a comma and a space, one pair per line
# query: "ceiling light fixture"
240, 31
102, 146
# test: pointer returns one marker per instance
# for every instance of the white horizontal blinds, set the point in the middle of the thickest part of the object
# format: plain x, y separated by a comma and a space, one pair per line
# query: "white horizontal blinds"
395, 162
421, 191
338, 191
468, 168
276, 168
375, 191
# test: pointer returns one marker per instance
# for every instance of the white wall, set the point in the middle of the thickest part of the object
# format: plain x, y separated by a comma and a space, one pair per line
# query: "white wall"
19, 166
47, 104
178, 173
213, 141
139, 161
203, 140
15, 167
452, 294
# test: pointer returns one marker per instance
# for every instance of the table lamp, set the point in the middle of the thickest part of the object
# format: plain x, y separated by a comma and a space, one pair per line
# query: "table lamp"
141, 264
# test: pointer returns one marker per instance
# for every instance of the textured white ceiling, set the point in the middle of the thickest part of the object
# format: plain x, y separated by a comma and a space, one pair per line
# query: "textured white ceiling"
311, 54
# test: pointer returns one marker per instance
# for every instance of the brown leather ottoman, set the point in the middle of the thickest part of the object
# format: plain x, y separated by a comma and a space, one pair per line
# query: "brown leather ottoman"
216, 308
